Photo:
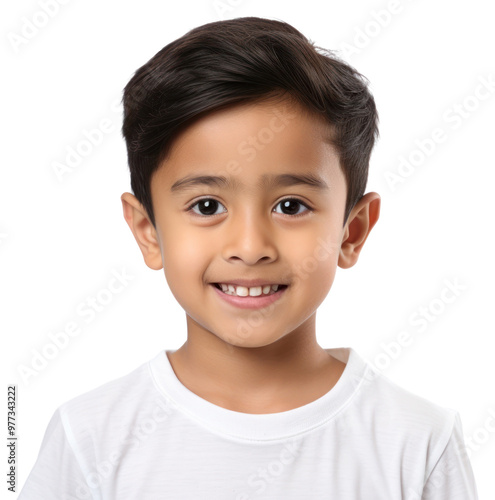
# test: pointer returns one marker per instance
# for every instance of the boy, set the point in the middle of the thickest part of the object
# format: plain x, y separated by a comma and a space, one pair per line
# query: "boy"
246, 117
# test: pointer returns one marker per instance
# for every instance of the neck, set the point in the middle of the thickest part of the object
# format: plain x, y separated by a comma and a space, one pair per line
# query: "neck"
287, 373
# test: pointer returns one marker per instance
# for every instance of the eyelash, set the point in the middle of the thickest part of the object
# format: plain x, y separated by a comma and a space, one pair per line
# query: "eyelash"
190, 207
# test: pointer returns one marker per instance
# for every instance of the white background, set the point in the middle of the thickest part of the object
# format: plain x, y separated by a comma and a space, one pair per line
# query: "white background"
61, 237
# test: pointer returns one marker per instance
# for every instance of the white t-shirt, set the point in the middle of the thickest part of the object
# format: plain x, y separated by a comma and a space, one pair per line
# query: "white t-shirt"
145, 436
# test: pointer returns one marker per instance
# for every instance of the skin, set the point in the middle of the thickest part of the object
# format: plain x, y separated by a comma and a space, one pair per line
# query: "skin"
252, 360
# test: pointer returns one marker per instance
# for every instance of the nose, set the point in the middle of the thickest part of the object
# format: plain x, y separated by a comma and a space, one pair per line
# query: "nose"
249, 238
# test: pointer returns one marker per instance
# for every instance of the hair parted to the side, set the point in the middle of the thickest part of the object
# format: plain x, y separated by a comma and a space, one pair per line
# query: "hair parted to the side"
244, 60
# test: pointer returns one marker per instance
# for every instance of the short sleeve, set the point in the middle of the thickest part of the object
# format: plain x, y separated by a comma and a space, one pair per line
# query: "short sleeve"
56, 473
452, 476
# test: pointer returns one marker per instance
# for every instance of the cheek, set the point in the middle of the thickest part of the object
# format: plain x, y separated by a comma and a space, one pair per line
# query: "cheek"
186, 255
314, 262
314, 282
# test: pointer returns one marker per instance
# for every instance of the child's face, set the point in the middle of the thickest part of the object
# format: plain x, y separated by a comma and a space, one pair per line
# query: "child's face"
212, 233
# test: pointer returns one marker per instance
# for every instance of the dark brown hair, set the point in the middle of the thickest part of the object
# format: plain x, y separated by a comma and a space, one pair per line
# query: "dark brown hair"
244, 60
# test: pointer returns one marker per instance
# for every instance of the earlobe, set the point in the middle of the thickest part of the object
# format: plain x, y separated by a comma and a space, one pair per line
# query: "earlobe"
141, 227
361, 221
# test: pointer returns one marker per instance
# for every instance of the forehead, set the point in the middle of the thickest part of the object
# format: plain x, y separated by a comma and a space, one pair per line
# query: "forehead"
248, 143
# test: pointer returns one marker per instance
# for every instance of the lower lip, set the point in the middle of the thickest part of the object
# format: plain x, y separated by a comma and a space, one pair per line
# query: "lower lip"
250, 302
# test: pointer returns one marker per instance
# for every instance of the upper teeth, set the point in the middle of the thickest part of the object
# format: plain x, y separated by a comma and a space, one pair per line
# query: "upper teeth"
244, 291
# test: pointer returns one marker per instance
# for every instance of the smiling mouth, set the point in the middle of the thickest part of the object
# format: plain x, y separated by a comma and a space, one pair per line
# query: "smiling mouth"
243, 291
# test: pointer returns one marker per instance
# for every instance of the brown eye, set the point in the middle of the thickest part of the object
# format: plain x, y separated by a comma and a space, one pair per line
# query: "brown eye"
206, 207
291, 206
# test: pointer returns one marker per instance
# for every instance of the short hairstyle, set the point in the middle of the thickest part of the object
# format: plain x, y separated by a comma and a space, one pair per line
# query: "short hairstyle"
244, 60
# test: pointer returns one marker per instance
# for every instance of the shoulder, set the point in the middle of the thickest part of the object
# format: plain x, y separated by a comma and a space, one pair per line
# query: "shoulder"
401, 422
111, 392
111, 407
412, 408
394, 404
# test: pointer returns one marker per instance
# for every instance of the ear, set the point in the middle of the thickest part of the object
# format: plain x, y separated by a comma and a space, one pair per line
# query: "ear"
142, 229
359, 224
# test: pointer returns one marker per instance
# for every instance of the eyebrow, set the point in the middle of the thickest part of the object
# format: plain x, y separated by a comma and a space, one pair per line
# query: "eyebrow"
267, 181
